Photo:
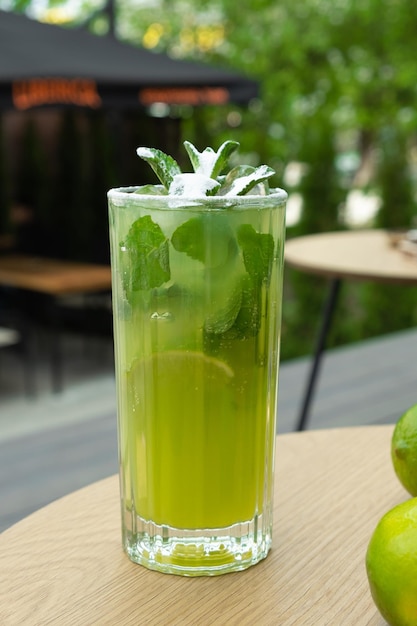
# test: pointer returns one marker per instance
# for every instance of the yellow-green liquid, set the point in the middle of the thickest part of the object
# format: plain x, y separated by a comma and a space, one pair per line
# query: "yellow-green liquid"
195, 444
197, 409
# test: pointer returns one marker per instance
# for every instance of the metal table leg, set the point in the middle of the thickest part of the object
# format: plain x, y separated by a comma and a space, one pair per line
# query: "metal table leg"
327, 316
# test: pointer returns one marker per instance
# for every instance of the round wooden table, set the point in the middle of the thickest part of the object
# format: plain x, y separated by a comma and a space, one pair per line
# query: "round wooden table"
354, 255
64, 564
347, 255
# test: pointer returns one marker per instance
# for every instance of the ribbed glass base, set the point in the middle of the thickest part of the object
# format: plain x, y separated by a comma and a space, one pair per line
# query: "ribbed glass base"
199, 552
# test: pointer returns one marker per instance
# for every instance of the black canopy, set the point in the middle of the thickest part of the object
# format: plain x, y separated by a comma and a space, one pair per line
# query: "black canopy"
41, 64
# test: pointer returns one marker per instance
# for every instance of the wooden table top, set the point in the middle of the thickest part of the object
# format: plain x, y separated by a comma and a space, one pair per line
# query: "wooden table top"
64, 564
52, 276
357, 255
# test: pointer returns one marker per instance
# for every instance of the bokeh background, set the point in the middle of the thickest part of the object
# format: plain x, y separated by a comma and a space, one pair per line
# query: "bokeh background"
336, 118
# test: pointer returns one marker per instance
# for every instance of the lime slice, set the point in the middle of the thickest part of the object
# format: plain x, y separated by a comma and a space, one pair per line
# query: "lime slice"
177, 369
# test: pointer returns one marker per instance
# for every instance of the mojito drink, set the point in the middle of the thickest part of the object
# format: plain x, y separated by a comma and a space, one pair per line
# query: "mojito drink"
196, 295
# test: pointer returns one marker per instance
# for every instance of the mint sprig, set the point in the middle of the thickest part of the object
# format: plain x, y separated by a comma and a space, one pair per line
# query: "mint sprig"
208, 165
234, 313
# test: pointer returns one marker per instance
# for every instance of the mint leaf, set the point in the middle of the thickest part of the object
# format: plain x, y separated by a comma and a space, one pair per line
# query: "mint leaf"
206, 238
164, 166
246, 324
235, 174
210, 163
248, 320
151, 190
196, 158
224, 316
223, 153
258, 251
147, 262
241, 179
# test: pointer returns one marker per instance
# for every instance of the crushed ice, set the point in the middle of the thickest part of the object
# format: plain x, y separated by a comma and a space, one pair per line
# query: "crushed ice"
192, 185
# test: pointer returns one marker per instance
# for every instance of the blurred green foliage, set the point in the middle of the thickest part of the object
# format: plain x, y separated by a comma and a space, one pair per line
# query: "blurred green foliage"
338, 96
337, 87
337, 81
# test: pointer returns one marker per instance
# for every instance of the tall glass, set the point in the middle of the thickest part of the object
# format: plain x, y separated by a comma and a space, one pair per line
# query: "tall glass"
197, 291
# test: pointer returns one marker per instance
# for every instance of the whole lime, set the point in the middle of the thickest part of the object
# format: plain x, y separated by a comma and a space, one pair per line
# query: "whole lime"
391, 565
404, 450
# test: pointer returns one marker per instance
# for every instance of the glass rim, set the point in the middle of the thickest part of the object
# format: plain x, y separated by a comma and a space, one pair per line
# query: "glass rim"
276, 196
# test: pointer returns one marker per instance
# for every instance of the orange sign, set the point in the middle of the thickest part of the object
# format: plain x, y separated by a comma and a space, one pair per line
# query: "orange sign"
184, 95
39, 91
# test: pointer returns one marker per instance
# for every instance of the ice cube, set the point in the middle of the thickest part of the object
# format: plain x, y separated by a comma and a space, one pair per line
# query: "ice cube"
192, 185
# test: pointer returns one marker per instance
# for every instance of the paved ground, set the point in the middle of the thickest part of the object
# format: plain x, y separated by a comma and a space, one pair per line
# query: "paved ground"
55, 443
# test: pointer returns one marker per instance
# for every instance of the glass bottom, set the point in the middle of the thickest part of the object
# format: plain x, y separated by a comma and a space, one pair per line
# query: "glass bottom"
199, 552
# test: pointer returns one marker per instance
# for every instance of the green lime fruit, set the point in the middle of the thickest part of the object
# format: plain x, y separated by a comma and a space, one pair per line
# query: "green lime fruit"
404, 451
391, 565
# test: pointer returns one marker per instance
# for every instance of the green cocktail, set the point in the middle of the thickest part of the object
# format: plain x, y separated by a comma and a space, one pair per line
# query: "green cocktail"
196, 295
